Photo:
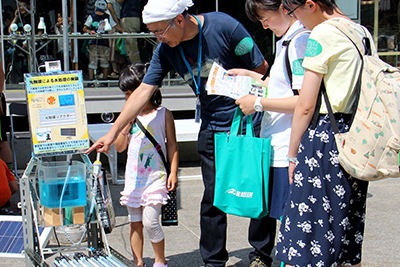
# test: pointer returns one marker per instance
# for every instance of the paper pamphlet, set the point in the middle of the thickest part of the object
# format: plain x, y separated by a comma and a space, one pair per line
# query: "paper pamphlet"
221, 83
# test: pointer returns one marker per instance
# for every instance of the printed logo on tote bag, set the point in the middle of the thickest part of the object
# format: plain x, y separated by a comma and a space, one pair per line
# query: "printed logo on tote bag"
242, 194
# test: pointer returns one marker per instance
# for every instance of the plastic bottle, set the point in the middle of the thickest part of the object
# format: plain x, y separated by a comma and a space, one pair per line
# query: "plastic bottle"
97, 166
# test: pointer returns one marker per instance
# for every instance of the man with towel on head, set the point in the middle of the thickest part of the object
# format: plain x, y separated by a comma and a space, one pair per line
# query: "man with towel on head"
190, 44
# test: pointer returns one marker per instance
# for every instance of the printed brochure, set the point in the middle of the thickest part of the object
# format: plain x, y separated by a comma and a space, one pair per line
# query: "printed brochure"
221, 83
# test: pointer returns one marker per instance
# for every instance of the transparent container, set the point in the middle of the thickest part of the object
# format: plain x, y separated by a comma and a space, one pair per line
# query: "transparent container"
52, 177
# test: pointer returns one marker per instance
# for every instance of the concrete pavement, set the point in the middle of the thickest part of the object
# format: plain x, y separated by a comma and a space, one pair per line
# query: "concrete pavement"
381, 245
380, 249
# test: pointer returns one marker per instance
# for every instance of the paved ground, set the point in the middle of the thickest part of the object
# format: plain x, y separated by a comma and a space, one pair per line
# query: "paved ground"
381, 246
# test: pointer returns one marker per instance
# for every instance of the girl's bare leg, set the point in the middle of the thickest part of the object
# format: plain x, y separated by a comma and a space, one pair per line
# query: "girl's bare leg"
159, 252
136, 236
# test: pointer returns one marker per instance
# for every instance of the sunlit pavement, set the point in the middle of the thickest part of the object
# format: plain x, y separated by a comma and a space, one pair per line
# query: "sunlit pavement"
381, 244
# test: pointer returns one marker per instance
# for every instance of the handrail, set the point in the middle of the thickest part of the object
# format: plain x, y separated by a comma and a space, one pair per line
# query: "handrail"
79, 35
73, 36
112, 92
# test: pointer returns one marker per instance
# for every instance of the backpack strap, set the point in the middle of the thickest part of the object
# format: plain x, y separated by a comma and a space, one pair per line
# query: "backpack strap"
269, 68
366, 48
324, 94
155, 144
287, 61
363, 45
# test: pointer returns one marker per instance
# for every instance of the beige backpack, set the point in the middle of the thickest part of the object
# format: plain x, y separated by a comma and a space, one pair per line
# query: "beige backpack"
370, 149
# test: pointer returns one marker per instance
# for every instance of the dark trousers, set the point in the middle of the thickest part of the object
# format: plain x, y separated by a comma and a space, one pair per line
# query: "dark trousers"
213, 222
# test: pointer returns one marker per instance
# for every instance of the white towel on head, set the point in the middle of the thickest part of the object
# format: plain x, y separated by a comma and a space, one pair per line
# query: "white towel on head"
159, 10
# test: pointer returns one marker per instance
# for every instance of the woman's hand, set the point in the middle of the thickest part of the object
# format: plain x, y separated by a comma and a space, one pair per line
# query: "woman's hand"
246, 104
292, 166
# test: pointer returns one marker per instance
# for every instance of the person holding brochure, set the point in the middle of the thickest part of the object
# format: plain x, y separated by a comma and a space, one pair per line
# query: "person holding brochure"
190, 44
279, 105
219, 82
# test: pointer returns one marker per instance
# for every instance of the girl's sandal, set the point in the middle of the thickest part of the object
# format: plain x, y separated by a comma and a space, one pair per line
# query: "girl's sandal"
160, 265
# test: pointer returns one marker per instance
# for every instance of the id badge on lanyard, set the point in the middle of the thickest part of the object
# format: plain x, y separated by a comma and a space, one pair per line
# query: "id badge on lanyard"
198, 110
196, 82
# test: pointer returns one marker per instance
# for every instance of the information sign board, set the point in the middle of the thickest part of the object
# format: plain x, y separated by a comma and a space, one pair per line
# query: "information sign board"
57, 112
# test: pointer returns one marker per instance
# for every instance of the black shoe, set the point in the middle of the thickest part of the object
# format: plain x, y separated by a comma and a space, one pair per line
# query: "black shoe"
258, 262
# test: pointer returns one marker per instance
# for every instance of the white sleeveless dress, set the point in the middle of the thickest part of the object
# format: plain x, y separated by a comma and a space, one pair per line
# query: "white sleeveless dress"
145, 174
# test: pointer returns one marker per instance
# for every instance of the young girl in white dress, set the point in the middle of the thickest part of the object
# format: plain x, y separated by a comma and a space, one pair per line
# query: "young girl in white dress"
146, 181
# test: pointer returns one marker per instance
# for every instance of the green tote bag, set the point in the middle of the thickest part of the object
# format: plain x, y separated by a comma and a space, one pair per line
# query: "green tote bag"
242, 165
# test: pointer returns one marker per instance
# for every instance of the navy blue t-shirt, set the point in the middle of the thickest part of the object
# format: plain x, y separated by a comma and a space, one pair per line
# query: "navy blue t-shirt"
97, 25
226, 42
132, 8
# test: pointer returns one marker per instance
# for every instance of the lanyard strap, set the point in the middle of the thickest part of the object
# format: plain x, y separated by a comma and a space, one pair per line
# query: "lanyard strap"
196, 83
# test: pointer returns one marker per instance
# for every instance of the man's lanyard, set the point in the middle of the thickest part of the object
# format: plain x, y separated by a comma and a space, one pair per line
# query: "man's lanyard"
200, 48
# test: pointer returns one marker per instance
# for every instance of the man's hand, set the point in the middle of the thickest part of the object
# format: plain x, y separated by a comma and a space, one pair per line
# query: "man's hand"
239, 72
103, 144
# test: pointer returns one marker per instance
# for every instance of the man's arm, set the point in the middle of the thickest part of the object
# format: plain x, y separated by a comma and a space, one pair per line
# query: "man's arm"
136, 102
87, 30
112, 12
262, 69
13, 186
15, 19
118, 28
11, 179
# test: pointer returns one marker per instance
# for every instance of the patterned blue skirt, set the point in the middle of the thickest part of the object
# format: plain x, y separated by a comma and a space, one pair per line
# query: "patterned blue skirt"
323, 220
